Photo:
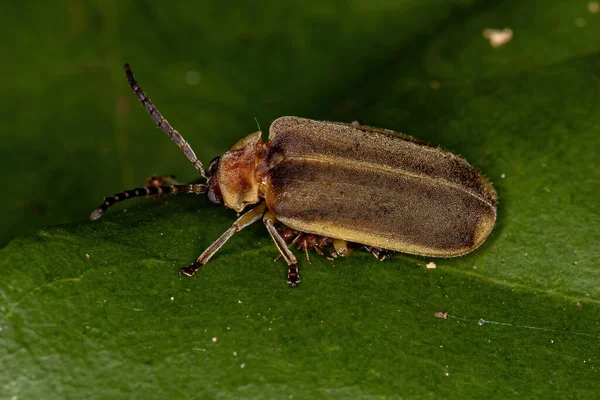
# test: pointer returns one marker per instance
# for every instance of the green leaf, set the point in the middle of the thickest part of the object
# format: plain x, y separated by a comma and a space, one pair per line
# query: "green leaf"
97, 310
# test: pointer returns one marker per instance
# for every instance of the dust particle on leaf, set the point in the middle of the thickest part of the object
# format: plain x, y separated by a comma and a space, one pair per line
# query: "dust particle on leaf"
498, 37
441, 314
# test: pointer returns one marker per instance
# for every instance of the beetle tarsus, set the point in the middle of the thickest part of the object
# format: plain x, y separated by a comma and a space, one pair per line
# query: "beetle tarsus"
293, 275
379, 253
191, 269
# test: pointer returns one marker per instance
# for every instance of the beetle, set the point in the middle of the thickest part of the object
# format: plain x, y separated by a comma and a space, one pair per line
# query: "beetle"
338, 184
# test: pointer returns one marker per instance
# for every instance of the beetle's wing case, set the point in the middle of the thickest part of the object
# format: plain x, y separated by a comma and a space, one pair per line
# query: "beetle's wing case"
375, 187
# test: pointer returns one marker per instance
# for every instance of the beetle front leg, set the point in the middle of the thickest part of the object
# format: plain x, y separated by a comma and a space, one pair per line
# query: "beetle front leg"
247, 219
293, 275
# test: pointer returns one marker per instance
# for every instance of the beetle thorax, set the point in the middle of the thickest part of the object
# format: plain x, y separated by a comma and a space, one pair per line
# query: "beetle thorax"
236, 175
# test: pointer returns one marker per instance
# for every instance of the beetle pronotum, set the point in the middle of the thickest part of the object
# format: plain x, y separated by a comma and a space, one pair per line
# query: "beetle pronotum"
331, 183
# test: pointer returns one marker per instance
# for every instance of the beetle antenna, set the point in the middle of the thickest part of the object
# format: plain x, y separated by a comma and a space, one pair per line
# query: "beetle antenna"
163, 123
145, 191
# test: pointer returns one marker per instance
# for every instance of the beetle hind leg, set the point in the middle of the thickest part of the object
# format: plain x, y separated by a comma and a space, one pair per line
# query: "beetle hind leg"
379, 253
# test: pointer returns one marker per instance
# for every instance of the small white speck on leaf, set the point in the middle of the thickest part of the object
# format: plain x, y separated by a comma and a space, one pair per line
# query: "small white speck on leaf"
214, 340
431, 265
593, 7
243, 365
235, 353
87, 256
441, 314
172, 298
503, 176
498, 37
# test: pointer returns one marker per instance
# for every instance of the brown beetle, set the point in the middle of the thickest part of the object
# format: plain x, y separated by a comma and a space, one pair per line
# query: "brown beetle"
336, 184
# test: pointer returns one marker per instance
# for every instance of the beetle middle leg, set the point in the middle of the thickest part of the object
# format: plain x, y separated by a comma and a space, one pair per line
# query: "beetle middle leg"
305, 241
293, 275
248, 218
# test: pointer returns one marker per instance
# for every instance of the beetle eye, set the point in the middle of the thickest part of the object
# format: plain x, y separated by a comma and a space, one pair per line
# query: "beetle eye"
213, 198
213, 167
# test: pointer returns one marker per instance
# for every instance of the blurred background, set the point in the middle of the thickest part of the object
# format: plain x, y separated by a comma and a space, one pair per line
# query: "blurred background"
72, 131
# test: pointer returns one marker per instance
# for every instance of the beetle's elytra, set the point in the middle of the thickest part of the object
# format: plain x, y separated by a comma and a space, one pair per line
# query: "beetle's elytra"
339, 185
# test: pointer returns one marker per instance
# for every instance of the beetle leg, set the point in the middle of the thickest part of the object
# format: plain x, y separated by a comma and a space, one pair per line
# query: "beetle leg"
162, 180
293, 276
379, 253
306, 251
290, 245
247, 219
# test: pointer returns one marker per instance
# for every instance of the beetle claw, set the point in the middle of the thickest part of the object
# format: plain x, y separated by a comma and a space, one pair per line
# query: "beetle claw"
293, 276
191, 269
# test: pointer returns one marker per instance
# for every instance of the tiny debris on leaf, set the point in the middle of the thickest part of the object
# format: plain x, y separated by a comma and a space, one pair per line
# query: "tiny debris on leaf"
431, 265
498, 37
87, 256
578, 304
593, 7
441, 314
214, 340
235, 353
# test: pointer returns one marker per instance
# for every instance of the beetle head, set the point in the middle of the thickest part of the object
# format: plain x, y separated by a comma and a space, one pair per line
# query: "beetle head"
232, 179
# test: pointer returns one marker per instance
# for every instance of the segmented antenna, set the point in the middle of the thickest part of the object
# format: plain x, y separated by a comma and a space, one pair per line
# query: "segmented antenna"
163, 123
145, 191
